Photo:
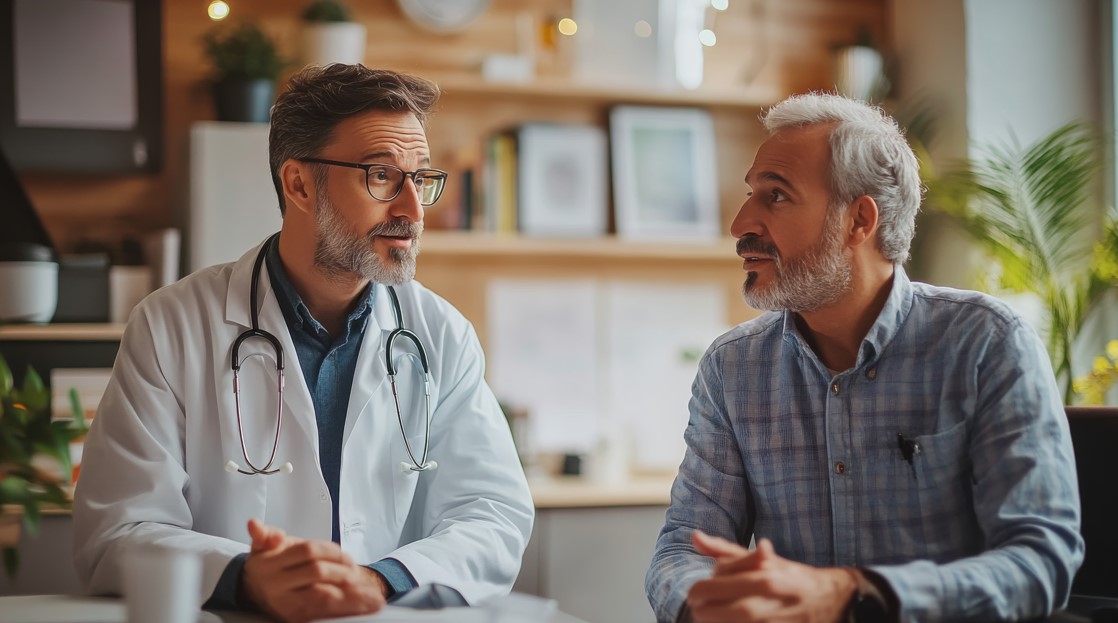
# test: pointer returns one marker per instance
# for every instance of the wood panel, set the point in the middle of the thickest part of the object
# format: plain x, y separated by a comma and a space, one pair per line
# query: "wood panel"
782, 45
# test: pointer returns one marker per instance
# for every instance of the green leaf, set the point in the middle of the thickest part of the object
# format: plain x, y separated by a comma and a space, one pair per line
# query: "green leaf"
11, 561
6, 382
34, 394
76, 410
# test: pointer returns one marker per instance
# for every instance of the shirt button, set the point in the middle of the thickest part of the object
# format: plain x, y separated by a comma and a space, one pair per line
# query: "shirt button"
324, 497
840, 468
871, 374
835, 389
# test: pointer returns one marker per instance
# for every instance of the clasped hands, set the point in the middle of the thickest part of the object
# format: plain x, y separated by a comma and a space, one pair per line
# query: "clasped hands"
758, 585
297, 580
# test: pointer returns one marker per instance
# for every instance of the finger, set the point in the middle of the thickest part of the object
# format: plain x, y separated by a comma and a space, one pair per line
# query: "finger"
312, 573
745, 610
714, 546
303, 552
329, 600
721, 589
763, 557
264, 537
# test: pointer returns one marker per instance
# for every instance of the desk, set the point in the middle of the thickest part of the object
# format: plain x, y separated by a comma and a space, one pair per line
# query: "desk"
75, 609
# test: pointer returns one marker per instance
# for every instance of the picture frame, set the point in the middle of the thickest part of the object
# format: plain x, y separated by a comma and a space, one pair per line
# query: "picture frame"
664, 180
562, 180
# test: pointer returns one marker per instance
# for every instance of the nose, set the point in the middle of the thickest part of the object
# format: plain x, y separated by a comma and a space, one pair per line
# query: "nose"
745, 222
407, 204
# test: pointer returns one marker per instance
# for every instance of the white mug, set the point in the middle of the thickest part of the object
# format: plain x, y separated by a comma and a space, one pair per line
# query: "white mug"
162, 584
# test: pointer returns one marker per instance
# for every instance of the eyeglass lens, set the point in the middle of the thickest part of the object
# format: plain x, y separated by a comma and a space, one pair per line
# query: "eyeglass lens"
386, 181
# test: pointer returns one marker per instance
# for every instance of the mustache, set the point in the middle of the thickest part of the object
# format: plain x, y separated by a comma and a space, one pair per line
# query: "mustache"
753, 244
398, 227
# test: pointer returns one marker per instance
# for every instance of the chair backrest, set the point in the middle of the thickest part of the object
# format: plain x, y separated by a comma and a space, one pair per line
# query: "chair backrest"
1094, 435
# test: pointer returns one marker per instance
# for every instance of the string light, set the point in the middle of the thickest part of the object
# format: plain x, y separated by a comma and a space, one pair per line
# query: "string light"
643, 29
720, 5
567, 26
707, 38
218, 10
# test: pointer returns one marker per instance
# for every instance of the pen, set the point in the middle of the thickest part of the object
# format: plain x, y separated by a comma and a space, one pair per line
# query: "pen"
909, 448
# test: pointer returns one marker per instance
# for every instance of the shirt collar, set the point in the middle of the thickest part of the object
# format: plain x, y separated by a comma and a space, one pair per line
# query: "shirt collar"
884, 329
295, 310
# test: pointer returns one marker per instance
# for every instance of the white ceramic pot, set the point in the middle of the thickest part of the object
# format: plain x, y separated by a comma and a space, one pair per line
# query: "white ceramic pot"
334, 42
28, 291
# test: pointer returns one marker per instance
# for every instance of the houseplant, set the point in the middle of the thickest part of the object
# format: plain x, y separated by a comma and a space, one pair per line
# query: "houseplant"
330, 36
247, 64
1029, 209
35, 466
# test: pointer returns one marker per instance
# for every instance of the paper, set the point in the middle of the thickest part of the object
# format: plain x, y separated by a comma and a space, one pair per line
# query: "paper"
656, 333
543, 356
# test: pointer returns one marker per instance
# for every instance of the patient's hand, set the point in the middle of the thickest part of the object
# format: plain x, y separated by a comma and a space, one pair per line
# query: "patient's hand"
761, 586
297, 580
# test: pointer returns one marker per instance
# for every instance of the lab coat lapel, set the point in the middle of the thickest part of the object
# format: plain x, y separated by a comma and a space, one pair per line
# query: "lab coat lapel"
370, 377
296, 397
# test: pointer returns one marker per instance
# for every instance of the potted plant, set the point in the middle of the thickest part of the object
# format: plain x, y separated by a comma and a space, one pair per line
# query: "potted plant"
247, 64
330, 36
35, 467
1028, 208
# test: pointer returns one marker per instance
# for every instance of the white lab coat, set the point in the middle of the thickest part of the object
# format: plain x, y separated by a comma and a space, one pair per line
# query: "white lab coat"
153, 464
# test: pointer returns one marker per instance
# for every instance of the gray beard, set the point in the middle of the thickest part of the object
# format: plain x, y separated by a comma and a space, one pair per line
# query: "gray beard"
340, 255
810, 281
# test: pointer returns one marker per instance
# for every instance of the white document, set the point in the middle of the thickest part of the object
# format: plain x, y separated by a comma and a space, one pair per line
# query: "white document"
655, 335
543, 356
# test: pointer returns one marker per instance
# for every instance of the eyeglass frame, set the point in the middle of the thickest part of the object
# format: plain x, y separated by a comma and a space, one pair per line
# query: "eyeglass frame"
366, 167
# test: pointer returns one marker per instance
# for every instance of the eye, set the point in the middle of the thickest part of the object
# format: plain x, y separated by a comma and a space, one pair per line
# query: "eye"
776, 195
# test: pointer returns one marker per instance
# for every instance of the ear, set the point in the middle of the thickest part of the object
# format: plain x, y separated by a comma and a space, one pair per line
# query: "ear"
863, 220
298, 186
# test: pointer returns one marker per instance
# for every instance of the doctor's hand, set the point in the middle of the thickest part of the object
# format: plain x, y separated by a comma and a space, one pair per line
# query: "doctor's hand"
296, 580
761, 586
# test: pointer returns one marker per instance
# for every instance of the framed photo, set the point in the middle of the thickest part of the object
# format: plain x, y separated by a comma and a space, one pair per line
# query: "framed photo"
562, 180
664, 182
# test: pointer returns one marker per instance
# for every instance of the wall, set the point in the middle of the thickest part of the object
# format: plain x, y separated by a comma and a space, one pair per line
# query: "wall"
782, 44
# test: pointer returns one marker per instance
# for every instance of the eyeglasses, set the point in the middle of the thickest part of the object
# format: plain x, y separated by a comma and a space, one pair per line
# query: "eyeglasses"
385, 181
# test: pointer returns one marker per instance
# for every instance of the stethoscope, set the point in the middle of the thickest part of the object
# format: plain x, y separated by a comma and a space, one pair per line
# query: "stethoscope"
256, 332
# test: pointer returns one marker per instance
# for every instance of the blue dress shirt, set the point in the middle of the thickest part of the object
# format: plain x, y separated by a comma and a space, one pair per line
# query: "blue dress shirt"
982, 523
328, 364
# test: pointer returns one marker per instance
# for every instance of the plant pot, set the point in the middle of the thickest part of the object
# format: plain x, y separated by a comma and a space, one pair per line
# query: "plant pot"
334, 42
28, 283
244, 99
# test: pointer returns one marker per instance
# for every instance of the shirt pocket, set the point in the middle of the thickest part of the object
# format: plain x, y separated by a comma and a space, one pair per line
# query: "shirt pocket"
943, 517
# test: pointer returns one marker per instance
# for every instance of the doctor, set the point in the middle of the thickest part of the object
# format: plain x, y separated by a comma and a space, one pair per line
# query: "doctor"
356, 497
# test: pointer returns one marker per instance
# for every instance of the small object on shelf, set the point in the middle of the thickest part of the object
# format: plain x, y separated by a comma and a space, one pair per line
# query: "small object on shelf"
247, 64
28, 282
664, 181
330, 36
562, 180
443, 16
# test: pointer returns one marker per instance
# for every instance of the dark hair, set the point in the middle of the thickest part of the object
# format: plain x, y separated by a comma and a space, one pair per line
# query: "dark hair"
319, 98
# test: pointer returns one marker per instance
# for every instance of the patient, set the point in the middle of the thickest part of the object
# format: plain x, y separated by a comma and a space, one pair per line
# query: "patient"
899, 451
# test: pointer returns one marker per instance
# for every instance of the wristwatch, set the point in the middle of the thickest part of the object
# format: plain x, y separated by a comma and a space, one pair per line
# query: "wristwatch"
866, 607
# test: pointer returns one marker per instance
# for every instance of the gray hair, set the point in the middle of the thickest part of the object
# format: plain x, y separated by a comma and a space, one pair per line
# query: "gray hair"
319, 98
869, 156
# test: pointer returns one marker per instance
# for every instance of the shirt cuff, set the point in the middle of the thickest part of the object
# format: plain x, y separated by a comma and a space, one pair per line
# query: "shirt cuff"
397, 576
225, 595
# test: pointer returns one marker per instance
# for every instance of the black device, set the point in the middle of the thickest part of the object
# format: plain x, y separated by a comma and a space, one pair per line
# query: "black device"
909, 449
44, 41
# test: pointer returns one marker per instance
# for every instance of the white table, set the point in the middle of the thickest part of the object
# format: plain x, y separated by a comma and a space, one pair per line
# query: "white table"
76, 609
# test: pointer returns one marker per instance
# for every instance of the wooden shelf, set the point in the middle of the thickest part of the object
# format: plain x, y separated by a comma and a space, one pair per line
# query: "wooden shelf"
544, 88
107, 332
447, 243
573, 492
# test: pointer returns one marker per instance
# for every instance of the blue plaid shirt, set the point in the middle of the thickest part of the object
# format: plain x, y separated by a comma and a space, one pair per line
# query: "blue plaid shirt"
982, 524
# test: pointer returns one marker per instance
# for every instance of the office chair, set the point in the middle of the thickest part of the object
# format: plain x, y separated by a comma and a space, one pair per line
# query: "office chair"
1094, 435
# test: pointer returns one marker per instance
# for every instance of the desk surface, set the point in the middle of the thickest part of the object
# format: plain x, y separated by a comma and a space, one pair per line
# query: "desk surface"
77, 609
